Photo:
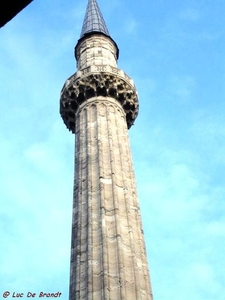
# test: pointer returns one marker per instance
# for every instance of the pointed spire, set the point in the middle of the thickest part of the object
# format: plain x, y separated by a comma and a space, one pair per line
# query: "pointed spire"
93, 20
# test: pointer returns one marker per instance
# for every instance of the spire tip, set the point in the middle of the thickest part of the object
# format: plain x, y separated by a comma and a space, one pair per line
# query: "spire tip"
93, 20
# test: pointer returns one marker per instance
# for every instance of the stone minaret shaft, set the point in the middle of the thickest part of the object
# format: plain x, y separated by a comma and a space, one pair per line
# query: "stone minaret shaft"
99, 103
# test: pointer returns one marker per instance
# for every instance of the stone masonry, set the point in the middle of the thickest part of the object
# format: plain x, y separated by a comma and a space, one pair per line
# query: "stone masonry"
99, 104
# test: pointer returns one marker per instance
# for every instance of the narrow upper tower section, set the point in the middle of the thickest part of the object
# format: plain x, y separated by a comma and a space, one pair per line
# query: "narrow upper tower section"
93, 20
95, 46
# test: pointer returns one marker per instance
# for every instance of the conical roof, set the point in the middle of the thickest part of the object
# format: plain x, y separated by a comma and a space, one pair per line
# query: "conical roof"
93, 20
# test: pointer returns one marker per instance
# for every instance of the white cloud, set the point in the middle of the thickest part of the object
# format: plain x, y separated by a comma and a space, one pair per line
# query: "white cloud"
130, 25
181, 89
190, 14
216, 228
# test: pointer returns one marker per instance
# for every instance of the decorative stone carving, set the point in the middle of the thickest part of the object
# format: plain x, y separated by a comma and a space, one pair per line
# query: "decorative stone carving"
80, 89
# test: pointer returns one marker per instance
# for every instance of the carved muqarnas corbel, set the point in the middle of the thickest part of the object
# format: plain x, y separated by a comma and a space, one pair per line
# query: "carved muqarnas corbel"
106, 85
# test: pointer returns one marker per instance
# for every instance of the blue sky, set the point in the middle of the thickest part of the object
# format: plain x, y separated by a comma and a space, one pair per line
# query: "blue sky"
174, 51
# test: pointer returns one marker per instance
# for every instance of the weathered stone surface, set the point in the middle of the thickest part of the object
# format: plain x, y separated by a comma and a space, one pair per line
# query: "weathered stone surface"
108, 251
80, 89
99, 103
96, 49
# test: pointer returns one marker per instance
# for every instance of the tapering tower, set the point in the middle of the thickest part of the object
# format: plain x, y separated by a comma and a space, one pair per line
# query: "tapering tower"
99, 104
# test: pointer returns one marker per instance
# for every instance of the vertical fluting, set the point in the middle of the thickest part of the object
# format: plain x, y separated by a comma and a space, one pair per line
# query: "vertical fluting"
108, 258
99, 103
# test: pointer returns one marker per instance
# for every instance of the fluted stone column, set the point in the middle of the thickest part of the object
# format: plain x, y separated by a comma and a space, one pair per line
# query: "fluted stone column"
99, 104
108, 251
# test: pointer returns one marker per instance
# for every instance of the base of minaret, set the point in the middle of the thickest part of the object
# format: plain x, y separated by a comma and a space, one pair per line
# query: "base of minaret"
108, 259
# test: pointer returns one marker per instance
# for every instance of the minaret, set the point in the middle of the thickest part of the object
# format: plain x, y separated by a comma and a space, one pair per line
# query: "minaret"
99, 104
